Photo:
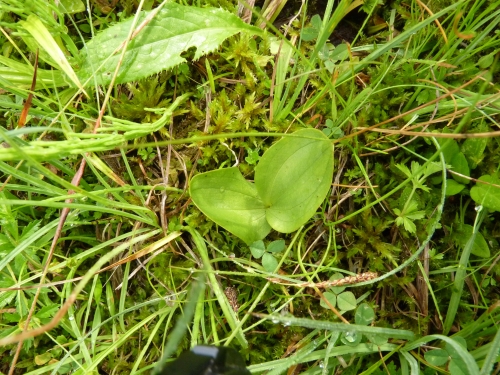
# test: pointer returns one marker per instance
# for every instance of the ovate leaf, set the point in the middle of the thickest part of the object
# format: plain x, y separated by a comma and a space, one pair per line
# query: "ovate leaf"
331, 297
486, 194
453, 187
480, 247
257, 249
158, 46
269, 262
437, 357
364, 315
449, 148
293, 178
232, 202
276, 246
346, 301
459, 164
337, 289
473, 149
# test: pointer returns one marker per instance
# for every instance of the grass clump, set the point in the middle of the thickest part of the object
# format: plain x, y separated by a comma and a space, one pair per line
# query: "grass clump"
112, 116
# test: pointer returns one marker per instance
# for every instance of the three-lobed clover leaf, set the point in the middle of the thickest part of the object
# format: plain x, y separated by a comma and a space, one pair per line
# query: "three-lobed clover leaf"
269, 262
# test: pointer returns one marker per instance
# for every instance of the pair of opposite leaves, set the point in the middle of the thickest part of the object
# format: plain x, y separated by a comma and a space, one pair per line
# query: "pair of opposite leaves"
291, 180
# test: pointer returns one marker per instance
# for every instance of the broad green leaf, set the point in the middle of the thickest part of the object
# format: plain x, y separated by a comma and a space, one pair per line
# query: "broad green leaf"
346, 301
276, 246
269, 262
158, 46
257, 249
293, 178
480, 247
459, 164
364, 315
437, 357
453, 187
232, 202
332, 298
487, 195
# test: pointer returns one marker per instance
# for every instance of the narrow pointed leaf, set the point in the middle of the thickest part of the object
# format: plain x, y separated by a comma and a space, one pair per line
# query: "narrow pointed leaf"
293, 178
232, 202
44, 38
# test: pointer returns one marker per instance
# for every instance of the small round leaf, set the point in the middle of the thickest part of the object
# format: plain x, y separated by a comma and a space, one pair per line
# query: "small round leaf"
437, 357
276, 246
332, 298
346, 301
269, 262
257, 249
364, 314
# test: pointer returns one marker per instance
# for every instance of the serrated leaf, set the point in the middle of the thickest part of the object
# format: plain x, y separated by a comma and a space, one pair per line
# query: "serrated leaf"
487, 195
47, 311
331, 297
269, 262
276, 246
407, 223
232, 202
417, 215
293, 178
432, 168
364, 314
158, 46
403, 168
257, 249
437, 357
346, 301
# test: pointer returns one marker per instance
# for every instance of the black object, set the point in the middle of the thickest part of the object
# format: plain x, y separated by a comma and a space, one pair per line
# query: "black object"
207, 360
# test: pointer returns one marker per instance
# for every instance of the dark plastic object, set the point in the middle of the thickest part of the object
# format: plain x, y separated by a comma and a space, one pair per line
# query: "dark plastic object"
207, 360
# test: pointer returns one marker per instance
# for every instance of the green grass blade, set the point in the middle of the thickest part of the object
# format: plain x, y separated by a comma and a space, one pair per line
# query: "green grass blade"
224, 304
461, 274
